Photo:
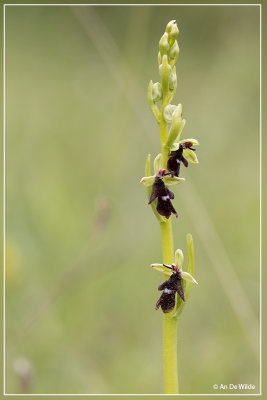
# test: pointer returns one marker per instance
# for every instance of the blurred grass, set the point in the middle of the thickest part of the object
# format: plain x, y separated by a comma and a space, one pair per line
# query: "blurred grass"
79, 293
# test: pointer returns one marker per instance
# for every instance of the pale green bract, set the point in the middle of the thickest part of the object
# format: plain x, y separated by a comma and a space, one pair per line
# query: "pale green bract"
190, 156
157, 163
179, 258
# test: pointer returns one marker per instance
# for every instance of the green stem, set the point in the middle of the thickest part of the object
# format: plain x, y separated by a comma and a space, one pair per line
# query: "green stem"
170, 322
170, 354
167, 241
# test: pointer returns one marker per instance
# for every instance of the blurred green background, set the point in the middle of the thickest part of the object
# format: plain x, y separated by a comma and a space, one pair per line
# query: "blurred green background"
80, 237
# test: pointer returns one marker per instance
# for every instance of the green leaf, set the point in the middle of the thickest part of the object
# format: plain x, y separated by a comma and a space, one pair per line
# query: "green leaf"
190, 267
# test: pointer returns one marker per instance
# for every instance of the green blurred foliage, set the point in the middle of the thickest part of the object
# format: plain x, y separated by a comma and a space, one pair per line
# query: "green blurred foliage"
80, 235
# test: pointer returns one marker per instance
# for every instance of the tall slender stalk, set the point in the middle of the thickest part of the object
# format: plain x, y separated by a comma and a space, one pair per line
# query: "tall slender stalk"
170, 362
169, 323
171, 124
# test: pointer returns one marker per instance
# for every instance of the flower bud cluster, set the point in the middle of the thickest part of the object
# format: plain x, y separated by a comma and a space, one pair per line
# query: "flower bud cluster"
167, 57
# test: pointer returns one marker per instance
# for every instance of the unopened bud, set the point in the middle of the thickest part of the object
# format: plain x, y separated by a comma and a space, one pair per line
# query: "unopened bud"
156, 92
164, 46
165, 70
168, 111
176, 127
174, 32
174, 51
173, 79
170, 25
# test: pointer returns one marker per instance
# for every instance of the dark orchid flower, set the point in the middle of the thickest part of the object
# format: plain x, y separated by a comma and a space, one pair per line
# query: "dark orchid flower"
179, 281
170, 287
176, 157
164, 195
181, 152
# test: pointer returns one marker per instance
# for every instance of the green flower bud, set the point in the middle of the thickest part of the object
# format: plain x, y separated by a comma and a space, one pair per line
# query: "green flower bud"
173, 79
174, 51
170, 25
179, 258
177, 126
174, 32
156, 92
165, 70
168, 111
164, 46
157, 163
181, 127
